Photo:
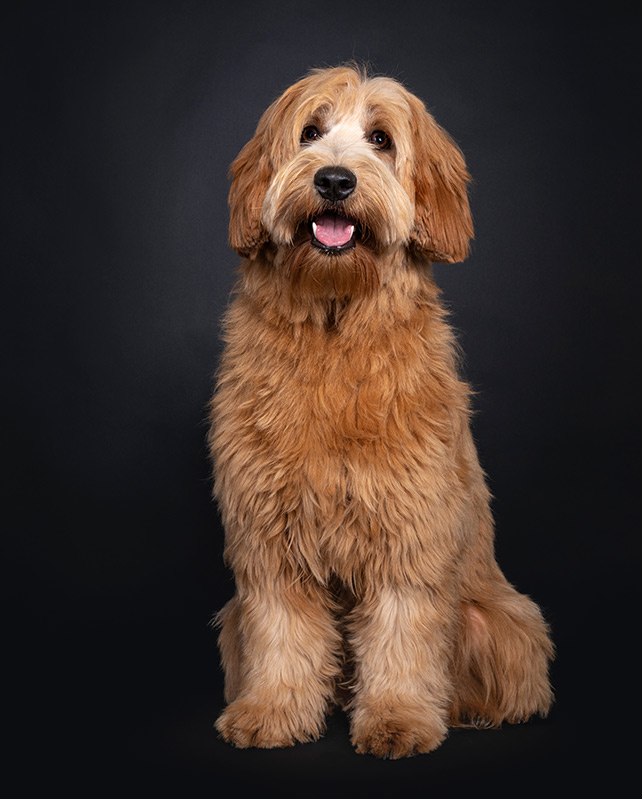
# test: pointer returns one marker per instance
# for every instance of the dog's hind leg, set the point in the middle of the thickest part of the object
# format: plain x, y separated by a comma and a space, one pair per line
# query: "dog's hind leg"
500, 666
229, 642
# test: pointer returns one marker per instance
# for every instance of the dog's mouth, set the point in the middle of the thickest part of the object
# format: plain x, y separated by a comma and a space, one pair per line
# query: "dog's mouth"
333, 233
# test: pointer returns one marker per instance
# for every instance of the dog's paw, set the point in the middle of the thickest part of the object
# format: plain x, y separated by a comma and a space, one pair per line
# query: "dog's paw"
396, 732
246, 724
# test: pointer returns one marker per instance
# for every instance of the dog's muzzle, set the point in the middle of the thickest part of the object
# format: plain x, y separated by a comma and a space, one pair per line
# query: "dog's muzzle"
332, 231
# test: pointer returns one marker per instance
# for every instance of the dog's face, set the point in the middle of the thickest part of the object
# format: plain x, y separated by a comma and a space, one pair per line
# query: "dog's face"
345, 167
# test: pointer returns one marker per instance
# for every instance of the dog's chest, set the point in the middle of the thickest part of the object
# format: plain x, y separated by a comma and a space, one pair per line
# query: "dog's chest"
340, 440
338, 430
325, 393
338, 416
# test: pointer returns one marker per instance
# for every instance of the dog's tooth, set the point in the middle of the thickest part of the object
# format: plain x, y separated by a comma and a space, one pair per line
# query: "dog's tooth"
314, 229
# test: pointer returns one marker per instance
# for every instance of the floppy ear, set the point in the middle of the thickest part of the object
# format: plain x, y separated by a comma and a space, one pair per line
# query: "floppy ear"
276, 138
251, 173
443, 224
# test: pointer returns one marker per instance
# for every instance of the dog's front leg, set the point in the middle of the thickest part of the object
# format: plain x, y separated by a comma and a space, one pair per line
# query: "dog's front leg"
399, 638
288, 661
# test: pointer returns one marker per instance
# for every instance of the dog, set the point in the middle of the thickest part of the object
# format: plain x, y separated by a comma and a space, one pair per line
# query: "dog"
356, 514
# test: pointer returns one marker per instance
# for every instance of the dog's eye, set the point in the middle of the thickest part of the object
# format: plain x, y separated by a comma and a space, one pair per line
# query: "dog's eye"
310, 133
380, 139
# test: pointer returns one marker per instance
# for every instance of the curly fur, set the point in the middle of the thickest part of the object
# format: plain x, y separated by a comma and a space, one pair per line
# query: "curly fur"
356, 512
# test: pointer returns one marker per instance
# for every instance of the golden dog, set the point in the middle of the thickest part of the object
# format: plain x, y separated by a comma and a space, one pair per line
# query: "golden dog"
356, 513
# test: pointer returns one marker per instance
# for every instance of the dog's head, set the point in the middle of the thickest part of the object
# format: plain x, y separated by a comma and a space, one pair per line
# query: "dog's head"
343, 163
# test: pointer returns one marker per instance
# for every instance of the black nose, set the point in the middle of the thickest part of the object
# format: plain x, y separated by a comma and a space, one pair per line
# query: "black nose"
335, 182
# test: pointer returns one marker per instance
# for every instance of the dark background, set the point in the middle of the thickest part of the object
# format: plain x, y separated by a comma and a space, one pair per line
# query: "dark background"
121, 121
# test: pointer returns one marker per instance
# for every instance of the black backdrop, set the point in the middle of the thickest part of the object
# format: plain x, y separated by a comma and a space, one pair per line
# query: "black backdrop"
121, 121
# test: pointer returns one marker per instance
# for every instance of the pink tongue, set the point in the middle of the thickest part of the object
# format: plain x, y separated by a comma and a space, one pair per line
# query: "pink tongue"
332, 230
